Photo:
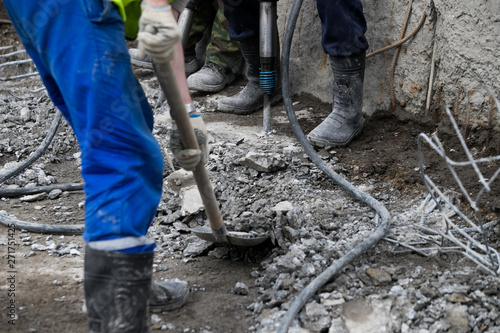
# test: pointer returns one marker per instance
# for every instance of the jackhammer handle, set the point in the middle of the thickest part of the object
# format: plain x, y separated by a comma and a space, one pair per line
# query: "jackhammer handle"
168, 82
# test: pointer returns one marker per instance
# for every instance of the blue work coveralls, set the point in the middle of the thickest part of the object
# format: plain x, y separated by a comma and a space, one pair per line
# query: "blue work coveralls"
343, 24
79, 49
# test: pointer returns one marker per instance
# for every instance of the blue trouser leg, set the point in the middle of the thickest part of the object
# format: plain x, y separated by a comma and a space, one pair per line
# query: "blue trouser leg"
343, 27
80, 52
343, 24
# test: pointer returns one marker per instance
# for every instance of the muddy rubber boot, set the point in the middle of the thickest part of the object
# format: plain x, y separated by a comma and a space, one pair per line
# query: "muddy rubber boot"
210, 78
346, 119
117, 288
168, 295
251, 98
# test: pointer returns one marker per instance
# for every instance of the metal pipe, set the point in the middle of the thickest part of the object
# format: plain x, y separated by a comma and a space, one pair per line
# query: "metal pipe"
186, 19
268, 51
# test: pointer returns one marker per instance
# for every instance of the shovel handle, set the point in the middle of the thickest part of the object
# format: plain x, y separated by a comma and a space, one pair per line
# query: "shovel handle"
168, 82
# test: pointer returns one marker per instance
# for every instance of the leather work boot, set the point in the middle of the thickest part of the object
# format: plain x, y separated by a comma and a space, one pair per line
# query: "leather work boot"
251, 98
145, 62
168, 295
117, 287
210, 78
191, 63
346, 119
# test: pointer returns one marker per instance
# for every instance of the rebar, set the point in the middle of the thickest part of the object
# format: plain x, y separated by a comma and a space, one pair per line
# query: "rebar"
472, 241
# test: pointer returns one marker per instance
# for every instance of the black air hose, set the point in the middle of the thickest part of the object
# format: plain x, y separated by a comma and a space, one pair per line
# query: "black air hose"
36, 227
382, 212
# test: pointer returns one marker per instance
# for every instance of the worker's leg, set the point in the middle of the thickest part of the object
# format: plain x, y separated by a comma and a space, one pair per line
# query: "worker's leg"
80, 51
80, 48
243, 18
222, 50
203, 19
223, 58
343, 29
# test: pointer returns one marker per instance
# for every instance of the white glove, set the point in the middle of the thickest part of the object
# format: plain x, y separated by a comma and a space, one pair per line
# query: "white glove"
158, 33
190, 158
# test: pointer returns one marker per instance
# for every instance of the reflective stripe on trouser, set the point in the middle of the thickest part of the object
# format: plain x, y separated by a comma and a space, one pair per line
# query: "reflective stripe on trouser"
80, 52
343, 24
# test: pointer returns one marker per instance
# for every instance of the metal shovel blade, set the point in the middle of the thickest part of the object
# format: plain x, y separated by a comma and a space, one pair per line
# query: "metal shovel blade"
234, 237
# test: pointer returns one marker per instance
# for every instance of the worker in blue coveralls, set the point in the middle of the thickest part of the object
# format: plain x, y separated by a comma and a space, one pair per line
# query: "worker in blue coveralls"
80, 52
343, 39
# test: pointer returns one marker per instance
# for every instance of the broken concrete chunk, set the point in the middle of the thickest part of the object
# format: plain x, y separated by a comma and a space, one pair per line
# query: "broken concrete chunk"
25, 114
33, 197
378, 276
240, 289
180, 179
38, 247
263, 162
196, 248
54, 194
191, 200
283, 206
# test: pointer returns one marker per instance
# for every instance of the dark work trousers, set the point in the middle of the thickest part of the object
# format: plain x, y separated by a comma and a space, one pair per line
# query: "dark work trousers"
343, 24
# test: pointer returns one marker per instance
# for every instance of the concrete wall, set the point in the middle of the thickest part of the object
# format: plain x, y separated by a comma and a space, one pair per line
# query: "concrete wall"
467, 62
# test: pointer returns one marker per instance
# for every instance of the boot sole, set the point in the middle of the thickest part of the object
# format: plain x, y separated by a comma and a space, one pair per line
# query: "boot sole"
142, 64
320, 143
244, 112
171, 305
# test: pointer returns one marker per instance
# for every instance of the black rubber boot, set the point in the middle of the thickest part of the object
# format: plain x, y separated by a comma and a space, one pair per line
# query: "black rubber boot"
251, 98
346, 120
117, 288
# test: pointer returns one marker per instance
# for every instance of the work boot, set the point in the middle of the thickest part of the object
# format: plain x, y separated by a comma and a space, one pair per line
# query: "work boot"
168, 295
251, 98
143, 62
191, 63
346, 119
210, 78
117, 288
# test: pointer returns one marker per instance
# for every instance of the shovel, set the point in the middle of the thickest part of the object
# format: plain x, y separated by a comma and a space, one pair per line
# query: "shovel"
217, 232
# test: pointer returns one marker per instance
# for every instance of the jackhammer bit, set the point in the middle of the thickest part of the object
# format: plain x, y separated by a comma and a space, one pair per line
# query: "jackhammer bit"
269, 53
186, 18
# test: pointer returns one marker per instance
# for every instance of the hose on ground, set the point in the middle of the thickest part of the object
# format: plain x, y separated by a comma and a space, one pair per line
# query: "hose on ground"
16, 192
42, 228
382, 212
38, 152
30, 226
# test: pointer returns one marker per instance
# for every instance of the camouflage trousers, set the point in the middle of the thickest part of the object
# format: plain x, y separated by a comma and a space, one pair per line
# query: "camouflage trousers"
220, 49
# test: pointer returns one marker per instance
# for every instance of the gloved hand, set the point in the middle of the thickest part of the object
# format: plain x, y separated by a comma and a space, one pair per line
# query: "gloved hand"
158, 33
190, 158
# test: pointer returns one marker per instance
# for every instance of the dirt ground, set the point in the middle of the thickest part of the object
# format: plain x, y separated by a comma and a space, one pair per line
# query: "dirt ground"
49, 288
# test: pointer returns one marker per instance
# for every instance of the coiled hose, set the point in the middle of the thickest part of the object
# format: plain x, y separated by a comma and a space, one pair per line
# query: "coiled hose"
382, 212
